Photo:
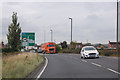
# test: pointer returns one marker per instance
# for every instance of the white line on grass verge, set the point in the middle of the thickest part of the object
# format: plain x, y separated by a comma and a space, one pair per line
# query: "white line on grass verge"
113, 71
96, 64
46, 63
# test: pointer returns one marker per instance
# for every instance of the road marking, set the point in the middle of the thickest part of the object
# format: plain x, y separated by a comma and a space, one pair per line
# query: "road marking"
113, 71
46, 63
96, 64
84, 60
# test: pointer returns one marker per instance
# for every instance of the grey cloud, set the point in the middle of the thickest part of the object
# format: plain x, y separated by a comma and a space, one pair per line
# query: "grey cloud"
88, 18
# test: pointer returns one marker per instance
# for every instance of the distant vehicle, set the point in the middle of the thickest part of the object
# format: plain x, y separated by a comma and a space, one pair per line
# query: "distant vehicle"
48, 47
32, 51
39, 50
89, 52
22, 50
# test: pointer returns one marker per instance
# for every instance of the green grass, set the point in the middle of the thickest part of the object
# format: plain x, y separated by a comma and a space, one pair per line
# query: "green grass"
19, 66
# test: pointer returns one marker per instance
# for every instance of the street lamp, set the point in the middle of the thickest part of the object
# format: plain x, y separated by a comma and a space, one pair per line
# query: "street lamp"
51, 35
71, 32
117, 24
44, 36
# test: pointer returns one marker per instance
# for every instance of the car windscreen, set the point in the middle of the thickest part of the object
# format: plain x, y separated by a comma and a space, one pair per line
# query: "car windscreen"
51, 45
90, 48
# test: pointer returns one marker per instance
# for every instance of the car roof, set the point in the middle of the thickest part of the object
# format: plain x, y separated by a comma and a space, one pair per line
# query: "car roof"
88, 46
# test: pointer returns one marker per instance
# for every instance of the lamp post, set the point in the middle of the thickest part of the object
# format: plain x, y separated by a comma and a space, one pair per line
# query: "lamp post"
71, 32
117, 25
44, 36
51, 35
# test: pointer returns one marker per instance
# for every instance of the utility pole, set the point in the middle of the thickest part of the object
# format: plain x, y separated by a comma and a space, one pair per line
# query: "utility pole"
51, 35
71, 32
117, 25
87, 41
44, 36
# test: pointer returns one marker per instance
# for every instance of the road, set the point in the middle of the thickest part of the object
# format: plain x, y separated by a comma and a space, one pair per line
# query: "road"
72, 66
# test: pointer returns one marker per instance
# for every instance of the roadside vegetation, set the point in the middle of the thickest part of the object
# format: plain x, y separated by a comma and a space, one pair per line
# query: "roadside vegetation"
20, 65
103, 52
109, 52
68, 50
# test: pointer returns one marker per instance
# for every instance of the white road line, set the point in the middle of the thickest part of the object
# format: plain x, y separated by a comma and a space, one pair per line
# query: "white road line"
84, 60
113, 71
46, 63
96, 64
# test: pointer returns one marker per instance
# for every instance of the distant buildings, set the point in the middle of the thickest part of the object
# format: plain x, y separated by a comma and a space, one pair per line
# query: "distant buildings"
100, 46
113, 45
77, 45
110, 45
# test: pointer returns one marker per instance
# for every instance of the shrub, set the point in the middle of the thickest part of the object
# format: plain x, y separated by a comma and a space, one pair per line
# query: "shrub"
7, 50
108, 52
67, 50
57, 48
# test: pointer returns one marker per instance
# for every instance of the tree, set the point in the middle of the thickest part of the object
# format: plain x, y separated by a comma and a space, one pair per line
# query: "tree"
14, 32
64, 44
57, 48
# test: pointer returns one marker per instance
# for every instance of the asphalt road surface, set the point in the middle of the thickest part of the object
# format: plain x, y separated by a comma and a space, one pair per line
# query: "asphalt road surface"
72, 66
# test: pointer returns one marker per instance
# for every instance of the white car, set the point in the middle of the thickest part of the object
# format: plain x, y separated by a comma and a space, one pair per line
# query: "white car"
22, 50
32, 51
89, 52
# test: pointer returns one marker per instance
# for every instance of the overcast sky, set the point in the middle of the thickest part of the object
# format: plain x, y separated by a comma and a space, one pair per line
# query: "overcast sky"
92, 21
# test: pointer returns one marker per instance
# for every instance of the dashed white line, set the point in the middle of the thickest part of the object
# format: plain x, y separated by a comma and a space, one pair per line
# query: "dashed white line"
84, 60
43, 69
113, 71
96, 64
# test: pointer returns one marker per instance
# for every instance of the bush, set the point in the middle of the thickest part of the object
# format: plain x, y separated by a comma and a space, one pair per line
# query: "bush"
57, 48
7, 50
108, 52
67, 50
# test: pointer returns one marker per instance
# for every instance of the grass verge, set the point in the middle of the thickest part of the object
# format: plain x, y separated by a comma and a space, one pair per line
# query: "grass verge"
19, 66
111, 52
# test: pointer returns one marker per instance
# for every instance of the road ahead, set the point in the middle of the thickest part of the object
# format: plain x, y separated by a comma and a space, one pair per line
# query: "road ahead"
72, 66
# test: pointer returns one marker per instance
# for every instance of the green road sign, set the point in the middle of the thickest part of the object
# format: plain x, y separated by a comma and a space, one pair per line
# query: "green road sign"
28, 39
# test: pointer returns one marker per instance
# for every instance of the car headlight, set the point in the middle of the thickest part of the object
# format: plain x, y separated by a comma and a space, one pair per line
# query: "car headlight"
86, 53
98, 53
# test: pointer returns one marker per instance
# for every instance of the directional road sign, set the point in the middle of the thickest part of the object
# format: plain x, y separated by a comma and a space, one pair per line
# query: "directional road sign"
28, 39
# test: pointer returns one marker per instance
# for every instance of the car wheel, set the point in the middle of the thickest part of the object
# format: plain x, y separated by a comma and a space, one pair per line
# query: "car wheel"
97, 57
81, 57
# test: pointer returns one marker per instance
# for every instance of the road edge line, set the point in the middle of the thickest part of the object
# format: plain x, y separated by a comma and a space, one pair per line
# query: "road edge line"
113, 71
46, 63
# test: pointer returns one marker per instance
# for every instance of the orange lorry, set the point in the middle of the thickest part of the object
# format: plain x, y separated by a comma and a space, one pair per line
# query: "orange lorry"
48, 47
